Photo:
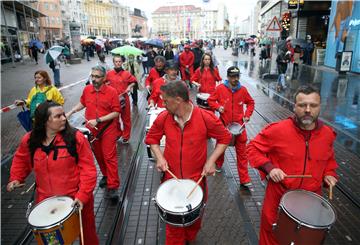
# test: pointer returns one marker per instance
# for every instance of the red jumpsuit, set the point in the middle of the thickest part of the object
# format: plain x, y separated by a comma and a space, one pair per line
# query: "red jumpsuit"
181, 149
284, 145
186, 59
156, 92
153, 75
233, 102
120, 81
98, 104
206, 79
63, 176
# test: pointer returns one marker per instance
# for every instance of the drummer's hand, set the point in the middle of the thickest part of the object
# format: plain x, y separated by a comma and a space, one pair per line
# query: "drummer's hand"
221, 109
77, 203
19, 102
162, 164
330, 180
148, 88
151, 105
92, 123
277, 175
246, 119
209, 169
13, 184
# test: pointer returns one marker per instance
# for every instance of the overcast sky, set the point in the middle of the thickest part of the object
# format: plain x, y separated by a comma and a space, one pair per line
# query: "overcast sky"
239, 8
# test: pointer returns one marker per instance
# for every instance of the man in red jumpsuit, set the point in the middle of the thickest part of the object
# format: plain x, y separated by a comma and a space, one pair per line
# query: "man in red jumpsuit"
155, 72
122, 81
187, 129
102, 110
59, 171
186, 63
229, 99
294, 146
171, 75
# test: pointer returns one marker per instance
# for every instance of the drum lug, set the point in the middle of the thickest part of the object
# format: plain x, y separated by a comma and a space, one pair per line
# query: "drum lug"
153, 199
298, 226
274, 226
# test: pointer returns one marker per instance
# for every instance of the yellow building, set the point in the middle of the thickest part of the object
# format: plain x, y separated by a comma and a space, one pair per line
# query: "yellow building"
99, 17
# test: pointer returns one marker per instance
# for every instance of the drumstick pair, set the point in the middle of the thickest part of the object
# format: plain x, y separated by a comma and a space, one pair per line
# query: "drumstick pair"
197, 183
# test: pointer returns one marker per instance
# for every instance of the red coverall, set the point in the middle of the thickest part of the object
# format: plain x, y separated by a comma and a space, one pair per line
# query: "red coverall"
63, 176
206, 79
284, 145
98, 104
186, 59
120, 81
156, 92
233, 103
186, 152
153, 75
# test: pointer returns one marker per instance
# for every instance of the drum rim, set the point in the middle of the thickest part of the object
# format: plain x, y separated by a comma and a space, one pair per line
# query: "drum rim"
54, 224
227, 127
180, 225
177, 213
320, 227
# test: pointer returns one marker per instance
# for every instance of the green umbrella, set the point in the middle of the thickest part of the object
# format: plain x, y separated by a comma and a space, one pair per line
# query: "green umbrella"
127, 50
53, 53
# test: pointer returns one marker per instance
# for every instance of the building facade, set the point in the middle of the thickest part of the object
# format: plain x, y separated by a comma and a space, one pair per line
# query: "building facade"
138, 24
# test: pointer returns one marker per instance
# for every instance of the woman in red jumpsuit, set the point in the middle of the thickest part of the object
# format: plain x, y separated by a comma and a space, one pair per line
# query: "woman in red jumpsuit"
206, 76
67, 171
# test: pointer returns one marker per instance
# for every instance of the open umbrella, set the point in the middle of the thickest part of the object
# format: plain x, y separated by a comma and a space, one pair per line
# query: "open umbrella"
87, 41
99, 42
52, 53
175, 41
36, 43
155, 42
66, 51
115, 40
127, 50
265, 41
92, 37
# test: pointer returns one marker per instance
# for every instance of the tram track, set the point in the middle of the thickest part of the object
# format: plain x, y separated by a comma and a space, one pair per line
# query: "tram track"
339, 186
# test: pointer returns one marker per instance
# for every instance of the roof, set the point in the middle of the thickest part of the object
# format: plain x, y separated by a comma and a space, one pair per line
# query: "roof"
176, 9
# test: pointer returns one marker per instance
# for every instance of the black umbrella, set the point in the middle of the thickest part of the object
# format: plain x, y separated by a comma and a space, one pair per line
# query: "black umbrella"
92, 37
253, 36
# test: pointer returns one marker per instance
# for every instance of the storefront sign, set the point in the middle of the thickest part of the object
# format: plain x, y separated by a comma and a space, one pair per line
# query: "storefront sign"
293, 4
346, 61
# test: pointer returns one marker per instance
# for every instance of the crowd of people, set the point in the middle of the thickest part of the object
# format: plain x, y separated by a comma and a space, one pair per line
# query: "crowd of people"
61, 155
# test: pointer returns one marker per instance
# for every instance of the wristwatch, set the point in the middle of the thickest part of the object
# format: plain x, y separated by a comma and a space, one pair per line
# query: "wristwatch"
98, 120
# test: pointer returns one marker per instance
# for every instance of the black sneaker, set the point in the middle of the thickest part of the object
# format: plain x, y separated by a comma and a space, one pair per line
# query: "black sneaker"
103, 182
246, 185
113, 195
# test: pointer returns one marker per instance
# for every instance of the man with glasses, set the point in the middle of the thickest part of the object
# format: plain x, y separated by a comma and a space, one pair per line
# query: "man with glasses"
102, 109
229, 99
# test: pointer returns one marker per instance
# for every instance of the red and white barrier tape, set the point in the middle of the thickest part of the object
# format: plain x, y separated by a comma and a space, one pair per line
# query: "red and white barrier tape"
13, 106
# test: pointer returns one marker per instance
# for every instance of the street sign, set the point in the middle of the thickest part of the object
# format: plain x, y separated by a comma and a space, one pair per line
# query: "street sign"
274, 34
274, 25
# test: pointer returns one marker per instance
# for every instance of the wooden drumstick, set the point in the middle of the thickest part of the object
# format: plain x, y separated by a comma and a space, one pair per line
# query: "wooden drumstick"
330, 192
197, 183
87, 121
299, 176
30, 188
81, 227
173, 175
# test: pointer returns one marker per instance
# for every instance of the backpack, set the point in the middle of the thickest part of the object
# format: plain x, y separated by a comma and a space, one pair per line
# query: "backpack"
52, 65
36, 100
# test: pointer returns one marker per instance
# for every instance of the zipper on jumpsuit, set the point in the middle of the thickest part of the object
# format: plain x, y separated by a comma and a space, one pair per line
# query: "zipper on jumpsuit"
47, 169
305, 159
181, 145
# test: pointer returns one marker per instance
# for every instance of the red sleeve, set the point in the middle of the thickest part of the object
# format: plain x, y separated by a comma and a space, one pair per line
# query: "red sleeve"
192, 57
82, 98
155, 92
156, 131
87, 169
196, 76
149, 80
21, 165
213, 99
215, 128
130, 79
115, 103
182, 59
332, 165
217, 75
250, 104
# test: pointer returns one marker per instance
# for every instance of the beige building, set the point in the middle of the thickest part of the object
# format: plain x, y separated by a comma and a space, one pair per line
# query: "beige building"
99, 15
51, 27
138, 24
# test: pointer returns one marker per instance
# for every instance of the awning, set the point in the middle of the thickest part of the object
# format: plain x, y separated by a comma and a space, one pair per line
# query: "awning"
19, 8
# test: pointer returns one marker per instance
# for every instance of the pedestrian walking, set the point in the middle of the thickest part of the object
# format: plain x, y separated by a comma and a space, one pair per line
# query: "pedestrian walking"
155, 72
206, 76
123, 82
134, 68
198, 53
102, 108
60, 155
150, 54
34, 53
309, 49
168, 53
55, 67
187, 129
229, 100
275, 153
41, 92
187, 64
282, 61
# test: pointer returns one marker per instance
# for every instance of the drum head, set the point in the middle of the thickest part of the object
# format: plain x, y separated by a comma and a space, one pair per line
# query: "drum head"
203, 96
50, 211
308, 208
234, 128
172, 194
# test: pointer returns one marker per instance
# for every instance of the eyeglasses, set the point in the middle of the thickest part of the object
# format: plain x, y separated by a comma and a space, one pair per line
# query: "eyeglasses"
95, 76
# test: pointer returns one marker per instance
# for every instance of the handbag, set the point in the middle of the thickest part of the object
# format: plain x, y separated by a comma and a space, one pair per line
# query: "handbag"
25, 119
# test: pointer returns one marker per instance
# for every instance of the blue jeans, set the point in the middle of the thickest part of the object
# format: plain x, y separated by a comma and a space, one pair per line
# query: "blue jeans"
57, 77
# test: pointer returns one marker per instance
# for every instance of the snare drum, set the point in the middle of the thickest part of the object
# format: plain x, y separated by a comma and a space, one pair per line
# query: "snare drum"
173, 206
235, 129
150, 118
54, 221
86, 132
201, 100
304, 217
